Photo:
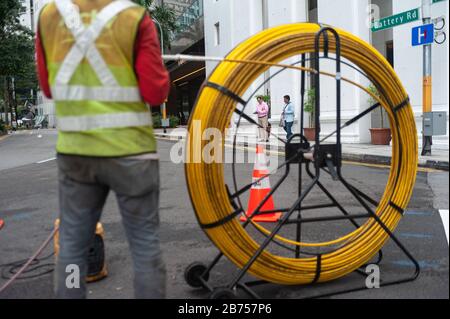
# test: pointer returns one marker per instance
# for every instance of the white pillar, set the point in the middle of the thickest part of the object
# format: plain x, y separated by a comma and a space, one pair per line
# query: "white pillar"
351, 17
288, 82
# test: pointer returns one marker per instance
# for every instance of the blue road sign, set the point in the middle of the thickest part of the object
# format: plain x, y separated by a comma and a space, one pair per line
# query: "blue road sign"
423, 34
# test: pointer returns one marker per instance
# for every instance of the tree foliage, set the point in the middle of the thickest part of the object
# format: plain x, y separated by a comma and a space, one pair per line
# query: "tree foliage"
16, 40
165, 16
16, 52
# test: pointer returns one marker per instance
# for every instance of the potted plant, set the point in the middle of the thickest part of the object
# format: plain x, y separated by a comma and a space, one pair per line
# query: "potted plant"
309, 107
174, 121
381, 135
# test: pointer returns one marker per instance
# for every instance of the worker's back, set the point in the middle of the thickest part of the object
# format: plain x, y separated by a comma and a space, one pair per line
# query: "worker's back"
99, 109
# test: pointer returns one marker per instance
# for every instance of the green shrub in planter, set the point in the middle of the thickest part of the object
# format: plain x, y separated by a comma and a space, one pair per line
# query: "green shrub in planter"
156, 120
174, 121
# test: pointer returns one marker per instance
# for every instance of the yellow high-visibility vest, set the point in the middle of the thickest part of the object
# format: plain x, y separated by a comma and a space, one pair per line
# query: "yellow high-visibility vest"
89, 47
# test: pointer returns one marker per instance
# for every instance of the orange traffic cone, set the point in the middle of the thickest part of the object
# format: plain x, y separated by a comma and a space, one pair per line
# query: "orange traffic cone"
260, 190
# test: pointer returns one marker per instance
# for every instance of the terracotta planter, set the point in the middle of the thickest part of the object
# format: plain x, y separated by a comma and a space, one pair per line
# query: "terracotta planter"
310, 133
380, 136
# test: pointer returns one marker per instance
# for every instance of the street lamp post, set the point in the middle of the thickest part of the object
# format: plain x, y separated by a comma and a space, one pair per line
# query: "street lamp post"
163, 106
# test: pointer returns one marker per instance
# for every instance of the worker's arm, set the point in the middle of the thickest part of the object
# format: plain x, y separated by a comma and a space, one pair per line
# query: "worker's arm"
42, 67
150, 70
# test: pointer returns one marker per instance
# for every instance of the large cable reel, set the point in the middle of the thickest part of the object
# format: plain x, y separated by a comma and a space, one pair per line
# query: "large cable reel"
214, 109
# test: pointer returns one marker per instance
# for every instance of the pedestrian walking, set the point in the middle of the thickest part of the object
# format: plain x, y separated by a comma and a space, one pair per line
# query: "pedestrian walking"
262, 110
288, 116
100, 61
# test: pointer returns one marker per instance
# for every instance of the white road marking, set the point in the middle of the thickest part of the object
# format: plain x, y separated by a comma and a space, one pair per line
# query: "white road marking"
47, 160
444, 216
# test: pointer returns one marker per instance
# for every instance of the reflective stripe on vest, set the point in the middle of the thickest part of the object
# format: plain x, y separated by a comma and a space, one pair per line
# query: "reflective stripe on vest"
103, 94
114, 120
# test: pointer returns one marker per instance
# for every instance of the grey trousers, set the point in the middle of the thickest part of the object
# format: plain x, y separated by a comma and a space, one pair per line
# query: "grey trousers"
84, 184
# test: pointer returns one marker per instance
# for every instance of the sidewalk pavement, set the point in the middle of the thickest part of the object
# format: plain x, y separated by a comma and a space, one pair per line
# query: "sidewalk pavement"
364, 153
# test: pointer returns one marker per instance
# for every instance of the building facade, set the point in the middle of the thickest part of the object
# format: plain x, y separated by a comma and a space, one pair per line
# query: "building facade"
229, 22
188, 76
30, 17
178, 6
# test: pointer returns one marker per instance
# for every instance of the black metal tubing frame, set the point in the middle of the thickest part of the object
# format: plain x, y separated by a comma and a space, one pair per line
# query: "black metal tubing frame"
359, 196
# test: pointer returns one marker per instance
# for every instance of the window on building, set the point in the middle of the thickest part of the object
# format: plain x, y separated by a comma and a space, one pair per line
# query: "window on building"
390, 52
217, 34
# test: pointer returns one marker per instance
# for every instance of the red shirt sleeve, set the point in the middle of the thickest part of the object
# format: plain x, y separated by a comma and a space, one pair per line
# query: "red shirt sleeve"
41, 66
152, 75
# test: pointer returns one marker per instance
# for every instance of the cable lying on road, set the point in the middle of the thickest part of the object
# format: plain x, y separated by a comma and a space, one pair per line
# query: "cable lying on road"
30, 261
36, 268
206, 182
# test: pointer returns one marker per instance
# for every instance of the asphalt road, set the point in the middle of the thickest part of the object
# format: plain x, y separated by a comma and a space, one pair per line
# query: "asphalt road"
29, 206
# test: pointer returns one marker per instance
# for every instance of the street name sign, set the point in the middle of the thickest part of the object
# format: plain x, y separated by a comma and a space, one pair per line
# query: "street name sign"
396, 20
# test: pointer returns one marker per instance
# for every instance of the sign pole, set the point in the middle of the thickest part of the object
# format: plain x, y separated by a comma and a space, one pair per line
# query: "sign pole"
427, 78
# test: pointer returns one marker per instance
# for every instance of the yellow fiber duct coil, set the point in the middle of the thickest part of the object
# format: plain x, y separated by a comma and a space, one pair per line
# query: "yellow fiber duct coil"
206, 181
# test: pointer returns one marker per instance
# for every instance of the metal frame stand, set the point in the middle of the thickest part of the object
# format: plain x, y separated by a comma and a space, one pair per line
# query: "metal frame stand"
325, 157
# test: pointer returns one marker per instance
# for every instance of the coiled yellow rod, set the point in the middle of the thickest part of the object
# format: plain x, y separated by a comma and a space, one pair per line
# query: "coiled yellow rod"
206, 182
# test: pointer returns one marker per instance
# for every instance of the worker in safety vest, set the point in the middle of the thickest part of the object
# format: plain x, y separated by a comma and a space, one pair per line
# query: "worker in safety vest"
100, 61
